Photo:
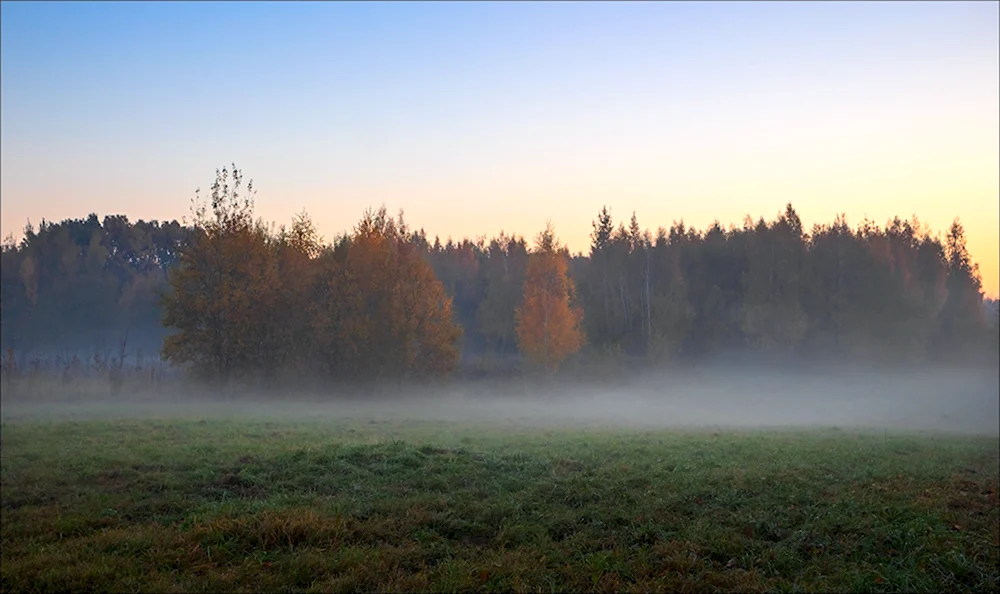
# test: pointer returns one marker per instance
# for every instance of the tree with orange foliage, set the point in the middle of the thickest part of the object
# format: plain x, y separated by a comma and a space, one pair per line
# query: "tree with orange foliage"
223, 292
384, 313
297, 251
548, 323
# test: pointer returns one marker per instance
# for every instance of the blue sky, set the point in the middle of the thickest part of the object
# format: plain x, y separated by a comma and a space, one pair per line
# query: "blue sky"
479, 116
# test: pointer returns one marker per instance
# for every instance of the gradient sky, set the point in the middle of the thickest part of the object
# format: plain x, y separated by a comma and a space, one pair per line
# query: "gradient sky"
486, 116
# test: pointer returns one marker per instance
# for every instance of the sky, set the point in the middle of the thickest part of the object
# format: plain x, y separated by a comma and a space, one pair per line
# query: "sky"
481, 117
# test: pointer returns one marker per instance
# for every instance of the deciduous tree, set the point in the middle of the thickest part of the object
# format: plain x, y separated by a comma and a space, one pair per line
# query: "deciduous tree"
385, 314
548, 322
223, 292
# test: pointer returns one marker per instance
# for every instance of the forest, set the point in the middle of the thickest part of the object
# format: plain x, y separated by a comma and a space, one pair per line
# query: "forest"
226, 295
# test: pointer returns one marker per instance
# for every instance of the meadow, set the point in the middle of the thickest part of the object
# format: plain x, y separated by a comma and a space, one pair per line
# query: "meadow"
216, 502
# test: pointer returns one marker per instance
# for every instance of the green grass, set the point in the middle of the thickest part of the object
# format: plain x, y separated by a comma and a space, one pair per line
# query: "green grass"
214, 505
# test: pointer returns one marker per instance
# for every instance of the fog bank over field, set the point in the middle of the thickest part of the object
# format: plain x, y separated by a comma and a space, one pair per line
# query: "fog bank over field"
964, 400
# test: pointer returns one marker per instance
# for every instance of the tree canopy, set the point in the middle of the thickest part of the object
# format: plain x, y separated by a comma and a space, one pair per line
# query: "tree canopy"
548, 321
226, 294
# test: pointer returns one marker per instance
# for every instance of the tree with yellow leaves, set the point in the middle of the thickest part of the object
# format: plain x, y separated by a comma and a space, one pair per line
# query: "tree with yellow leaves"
548, 322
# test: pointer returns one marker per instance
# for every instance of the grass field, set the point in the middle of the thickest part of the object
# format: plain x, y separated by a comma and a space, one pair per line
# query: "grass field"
223, 505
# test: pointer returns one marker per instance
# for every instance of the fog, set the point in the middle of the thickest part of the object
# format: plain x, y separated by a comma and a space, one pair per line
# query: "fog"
954, 400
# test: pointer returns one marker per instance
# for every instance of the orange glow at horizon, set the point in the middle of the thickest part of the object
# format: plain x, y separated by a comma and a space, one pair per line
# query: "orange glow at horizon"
676, 111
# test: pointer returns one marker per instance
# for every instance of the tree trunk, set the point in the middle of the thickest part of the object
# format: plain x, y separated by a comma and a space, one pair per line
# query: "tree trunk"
607, 303
649, 309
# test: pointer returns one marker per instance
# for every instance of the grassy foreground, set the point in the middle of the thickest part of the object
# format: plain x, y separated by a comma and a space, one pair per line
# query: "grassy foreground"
215, 505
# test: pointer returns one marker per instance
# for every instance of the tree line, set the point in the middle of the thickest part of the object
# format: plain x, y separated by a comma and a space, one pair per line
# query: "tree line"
83, 284
230, 296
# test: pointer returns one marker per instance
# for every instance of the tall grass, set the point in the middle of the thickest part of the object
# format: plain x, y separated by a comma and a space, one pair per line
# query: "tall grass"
98, 374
